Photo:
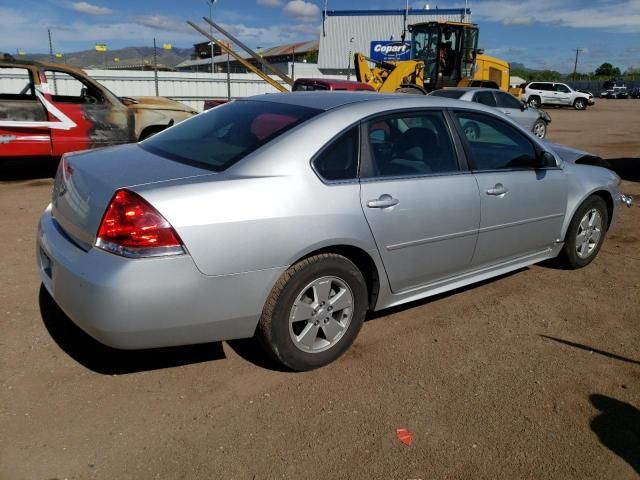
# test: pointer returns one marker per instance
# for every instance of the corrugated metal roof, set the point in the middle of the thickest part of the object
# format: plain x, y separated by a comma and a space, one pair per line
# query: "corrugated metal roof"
288, 49
366, 26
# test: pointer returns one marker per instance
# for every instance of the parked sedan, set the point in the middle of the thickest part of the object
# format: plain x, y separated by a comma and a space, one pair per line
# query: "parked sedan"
532, 119
288, 217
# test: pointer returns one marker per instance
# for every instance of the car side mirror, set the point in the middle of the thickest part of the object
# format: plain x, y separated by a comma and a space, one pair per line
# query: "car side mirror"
524, 106
546, 160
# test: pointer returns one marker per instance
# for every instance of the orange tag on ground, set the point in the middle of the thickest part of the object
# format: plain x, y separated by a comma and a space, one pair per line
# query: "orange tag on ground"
404, 436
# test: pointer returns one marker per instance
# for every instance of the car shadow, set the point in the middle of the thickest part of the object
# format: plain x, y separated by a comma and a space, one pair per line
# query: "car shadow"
627, 168
110, 361
249, 349
424, 301
12, 170
617, 426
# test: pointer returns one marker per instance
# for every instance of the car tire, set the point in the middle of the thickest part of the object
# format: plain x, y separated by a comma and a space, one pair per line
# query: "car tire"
540, 128
471, 130
299, 325
580, 104
534, 101
581, 245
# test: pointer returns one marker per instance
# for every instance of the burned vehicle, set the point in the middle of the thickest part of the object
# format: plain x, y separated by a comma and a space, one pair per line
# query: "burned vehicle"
49, 109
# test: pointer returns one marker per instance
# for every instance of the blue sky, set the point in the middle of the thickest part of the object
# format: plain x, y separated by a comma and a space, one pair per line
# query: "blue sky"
537, 33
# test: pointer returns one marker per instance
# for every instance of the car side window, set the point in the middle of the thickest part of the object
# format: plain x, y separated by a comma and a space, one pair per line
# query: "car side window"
67, 88
505, 100
561, 88
18, 101
495, 145
16, 84
410, 144
485, 98
535, 86
339, 161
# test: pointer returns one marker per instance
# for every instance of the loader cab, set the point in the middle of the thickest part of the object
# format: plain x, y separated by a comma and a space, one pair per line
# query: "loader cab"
448, 50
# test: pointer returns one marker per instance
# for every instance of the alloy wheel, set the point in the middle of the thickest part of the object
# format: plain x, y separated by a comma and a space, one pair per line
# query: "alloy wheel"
589, 233
321, 314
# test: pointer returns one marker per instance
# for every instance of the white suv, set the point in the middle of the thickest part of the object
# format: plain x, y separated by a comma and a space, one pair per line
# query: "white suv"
551, 93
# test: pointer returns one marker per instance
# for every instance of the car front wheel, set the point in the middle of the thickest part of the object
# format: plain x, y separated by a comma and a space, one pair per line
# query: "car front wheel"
586, 232
314, 312
540, 128
580, 104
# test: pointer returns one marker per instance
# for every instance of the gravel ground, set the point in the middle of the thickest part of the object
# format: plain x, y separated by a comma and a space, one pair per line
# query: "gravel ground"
533, 375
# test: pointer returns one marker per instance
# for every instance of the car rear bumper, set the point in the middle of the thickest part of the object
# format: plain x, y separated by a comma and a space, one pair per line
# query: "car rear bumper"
150, 302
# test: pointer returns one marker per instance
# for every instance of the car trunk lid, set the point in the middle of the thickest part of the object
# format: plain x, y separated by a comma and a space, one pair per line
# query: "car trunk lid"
86, 182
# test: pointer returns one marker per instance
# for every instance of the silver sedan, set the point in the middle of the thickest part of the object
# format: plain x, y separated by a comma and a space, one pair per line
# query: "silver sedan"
288, 217
533, 119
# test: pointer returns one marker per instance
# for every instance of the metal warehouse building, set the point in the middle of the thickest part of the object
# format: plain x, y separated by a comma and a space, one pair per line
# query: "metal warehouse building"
349, 31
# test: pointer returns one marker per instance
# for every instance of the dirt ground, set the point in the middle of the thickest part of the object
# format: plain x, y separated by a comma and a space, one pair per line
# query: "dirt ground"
534, 375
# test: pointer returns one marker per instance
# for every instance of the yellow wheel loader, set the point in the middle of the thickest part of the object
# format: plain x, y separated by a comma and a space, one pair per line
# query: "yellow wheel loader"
443, 54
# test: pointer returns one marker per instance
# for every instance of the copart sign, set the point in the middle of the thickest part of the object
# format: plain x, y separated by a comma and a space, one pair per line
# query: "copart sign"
390, 50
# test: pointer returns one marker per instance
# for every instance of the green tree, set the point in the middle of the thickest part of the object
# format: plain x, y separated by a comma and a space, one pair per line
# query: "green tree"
607, 70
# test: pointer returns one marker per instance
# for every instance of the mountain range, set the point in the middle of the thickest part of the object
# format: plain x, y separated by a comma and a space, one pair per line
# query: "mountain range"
126, 56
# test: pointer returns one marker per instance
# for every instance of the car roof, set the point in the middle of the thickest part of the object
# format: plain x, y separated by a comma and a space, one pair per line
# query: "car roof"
469, 89
9, 61
331, 100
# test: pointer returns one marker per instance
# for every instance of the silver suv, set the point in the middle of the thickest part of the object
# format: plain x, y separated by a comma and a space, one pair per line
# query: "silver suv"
551, 93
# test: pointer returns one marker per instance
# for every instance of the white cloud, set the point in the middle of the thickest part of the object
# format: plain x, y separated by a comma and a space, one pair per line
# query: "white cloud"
269, 3
622, 16
89, 8
161, 22
305, 28
302, 10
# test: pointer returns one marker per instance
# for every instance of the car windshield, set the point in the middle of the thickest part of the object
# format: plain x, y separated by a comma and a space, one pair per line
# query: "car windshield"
448, 93
218, 138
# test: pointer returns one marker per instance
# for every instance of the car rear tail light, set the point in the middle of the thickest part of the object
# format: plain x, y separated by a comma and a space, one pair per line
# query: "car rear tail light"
131, 227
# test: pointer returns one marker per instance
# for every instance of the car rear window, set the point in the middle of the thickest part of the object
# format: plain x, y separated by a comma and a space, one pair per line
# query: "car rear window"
448, 93
218, 138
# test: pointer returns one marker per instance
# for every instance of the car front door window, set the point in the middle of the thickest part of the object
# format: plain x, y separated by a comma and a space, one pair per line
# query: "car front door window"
495, 145
485, 98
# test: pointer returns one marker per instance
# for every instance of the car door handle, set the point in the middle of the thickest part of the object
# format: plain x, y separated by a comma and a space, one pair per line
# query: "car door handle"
383, 201
497, 190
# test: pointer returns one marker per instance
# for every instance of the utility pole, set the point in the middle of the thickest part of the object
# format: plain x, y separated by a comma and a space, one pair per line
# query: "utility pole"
350, 55
575, 65
55, 83
50, 45
155, 66
228, 77
211, 3
293, 63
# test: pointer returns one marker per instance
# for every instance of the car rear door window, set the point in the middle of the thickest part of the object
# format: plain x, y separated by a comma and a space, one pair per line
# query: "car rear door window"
218, 138
447, 93
485, 98
18, 101
16, 84
504, 100
410, 144
339, 160
495, 145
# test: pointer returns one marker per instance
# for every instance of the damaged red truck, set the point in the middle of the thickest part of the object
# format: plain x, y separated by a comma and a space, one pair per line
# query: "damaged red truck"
48, 109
